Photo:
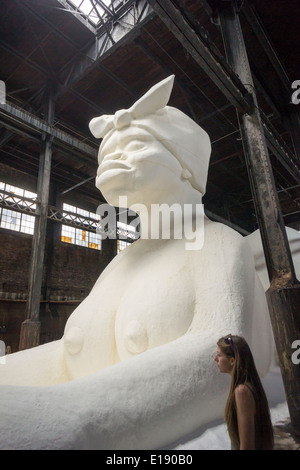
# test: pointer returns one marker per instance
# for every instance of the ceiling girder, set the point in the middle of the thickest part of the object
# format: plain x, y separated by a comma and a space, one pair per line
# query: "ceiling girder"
221, 74
22, 121
200, 49
264, 41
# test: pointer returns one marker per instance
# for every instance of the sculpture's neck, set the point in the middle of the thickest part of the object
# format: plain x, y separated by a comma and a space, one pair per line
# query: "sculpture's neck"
173, 222
168, 219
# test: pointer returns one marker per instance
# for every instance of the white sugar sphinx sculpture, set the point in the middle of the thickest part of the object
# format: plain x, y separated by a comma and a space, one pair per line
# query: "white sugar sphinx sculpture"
134, 368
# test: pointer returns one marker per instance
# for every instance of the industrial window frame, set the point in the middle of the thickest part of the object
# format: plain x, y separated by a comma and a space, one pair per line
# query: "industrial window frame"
79, 236
14, 220
96, 12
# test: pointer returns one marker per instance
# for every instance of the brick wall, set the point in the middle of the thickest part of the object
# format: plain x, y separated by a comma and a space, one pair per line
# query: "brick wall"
69, 273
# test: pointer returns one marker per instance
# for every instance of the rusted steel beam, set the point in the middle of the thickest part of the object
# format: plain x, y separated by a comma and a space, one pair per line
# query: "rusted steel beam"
181, 24
284, 308
283, 296
30, 328
21, 120
204, 53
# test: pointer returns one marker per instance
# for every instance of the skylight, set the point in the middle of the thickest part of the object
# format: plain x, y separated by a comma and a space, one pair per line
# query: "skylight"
93, 10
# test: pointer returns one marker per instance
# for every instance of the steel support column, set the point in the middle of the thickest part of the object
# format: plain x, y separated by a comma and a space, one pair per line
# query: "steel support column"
30, 329
284, 293
292, 124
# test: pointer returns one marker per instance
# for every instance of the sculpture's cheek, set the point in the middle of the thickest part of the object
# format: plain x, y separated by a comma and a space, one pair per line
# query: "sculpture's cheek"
136, 338
74, 340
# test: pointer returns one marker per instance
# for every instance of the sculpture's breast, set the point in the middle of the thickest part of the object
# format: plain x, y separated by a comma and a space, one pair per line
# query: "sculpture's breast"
144, 300
89, 337
158, 305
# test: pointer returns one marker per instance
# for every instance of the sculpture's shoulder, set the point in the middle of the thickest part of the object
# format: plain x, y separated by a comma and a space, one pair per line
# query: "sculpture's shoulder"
220, 234
222, 245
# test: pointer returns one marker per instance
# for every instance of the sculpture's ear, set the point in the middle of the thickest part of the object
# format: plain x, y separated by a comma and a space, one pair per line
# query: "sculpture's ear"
156, 98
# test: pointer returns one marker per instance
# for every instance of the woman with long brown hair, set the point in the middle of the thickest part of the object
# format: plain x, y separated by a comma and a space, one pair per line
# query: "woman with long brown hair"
247, 413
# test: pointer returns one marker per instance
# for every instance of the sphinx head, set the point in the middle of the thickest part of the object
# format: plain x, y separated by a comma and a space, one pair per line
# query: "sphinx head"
151, 151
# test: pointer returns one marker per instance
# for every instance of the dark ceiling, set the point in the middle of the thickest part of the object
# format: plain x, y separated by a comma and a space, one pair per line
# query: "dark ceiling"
93, 72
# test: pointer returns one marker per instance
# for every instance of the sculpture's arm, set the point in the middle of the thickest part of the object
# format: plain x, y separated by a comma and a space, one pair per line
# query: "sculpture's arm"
42, 365
145, 402
153, 398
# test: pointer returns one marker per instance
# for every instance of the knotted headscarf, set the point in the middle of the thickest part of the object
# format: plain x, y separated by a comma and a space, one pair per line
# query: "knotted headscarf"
183, 137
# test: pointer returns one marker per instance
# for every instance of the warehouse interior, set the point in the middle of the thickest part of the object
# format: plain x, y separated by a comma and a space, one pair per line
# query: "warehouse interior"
64, 62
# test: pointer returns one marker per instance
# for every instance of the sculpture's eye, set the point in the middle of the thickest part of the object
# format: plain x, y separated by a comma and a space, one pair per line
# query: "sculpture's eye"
135, 146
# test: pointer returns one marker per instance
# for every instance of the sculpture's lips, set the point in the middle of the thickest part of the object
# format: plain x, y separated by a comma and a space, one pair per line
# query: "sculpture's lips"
112, 165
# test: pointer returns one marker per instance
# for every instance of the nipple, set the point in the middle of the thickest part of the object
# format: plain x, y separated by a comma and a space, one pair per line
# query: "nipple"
136, 339
74, 340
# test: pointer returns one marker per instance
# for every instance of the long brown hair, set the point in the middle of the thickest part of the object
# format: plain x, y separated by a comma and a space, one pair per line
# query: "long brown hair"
245, 372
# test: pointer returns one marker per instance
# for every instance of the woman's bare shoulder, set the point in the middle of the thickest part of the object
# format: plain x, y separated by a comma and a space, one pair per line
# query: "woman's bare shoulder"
243, 395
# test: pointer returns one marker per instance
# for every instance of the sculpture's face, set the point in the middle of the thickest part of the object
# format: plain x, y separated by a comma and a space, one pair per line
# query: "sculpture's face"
134, 164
